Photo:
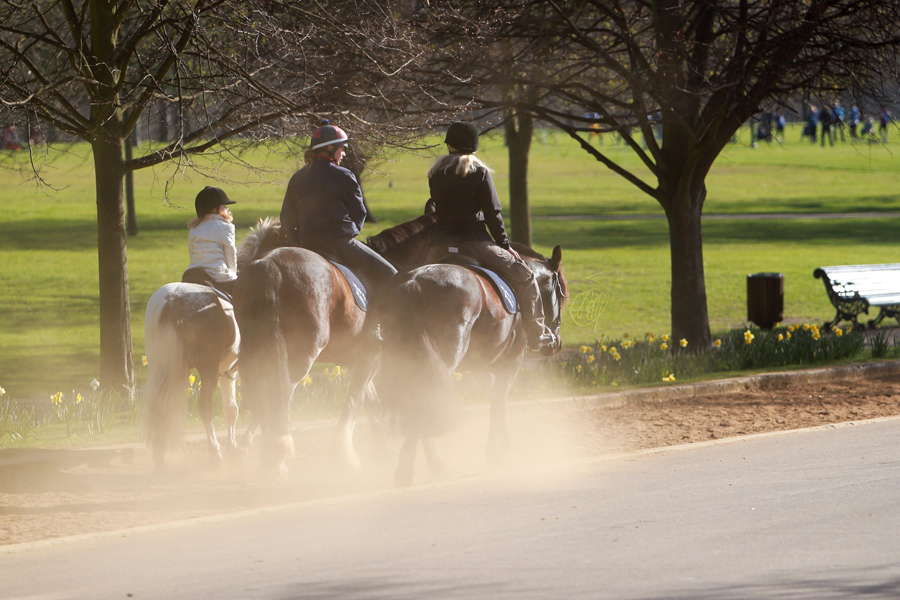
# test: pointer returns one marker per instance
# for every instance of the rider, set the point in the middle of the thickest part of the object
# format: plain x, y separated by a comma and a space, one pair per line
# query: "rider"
211, 241
464, 199
325, 203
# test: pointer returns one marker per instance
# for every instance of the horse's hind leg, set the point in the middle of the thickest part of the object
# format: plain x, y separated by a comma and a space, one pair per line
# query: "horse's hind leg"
361, 374
206, 407
499, 446
406, 467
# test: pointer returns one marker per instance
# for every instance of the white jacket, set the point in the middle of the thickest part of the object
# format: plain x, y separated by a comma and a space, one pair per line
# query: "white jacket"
212, 247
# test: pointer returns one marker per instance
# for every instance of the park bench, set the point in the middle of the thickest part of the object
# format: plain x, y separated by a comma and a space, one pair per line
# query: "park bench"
852, 289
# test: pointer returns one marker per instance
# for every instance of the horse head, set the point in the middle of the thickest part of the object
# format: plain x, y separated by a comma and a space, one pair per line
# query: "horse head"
554, 289
263, 237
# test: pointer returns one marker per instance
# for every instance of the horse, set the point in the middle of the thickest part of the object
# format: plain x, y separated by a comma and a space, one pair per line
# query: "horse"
442, 317
187, 325
295, 308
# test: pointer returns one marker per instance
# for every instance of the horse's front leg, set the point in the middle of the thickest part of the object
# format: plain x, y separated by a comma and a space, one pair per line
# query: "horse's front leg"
229, 405
499, 446
361, 374
206, 407
406, 468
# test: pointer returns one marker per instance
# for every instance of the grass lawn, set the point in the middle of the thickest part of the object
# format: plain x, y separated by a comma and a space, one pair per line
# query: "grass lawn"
618, 270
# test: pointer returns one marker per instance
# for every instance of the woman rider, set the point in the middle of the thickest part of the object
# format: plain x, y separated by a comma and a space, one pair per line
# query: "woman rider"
465, 200
324, 202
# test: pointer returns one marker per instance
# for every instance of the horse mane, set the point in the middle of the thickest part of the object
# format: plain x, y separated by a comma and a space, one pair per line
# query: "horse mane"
389, 238
529, 252
258, 241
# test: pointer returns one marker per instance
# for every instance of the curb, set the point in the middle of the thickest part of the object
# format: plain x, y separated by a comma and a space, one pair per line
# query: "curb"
762, 381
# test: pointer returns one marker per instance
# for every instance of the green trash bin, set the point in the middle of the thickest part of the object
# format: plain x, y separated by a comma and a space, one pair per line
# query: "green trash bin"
765, 299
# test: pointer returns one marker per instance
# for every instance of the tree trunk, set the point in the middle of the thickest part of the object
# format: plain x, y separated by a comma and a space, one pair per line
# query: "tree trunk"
519, 129
690, 315
116, 359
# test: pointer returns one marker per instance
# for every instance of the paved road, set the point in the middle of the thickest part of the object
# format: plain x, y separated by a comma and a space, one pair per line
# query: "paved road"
812, 514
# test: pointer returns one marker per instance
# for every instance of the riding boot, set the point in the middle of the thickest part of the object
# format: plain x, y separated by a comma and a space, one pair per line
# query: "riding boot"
537, 334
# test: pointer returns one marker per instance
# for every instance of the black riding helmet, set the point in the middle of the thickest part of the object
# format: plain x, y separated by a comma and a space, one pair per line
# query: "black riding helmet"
209, 199
326, 135
463, 137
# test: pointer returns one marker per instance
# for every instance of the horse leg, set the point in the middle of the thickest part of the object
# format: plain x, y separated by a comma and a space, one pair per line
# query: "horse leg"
435, 465
361, 374
206, 407
406, 467
229, 405
499, 446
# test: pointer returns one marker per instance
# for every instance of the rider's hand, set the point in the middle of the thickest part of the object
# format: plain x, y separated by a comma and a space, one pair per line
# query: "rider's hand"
515, 254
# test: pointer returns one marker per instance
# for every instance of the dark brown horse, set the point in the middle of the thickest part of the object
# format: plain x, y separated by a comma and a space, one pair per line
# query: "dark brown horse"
442, 317
295, 308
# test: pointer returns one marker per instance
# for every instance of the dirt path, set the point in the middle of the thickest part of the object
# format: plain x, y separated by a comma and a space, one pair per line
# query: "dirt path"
38, 504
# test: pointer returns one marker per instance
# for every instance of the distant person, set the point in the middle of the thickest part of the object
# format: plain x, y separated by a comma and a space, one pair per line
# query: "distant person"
211, 241
827, 120
884, 119
838, 115
812, 124
853, 120
868, 131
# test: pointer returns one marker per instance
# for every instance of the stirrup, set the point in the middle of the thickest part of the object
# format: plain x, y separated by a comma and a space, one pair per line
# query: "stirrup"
545, 339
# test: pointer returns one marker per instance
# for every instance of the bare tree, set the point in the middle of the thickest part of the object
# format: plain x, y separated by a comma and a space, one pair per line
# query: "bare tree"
697, 69
231, 72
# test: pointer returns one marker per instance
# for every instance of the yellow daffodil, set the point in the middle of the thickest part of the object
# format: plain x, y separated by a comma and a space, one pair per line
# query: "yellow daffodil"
625, 336
603, 347
56, 398
717, 343
838, 332
663, 346
816, 335
585, 349
458, 375
338, 370
748, 337
665, 338
648, 335
806, 327
2, 392
144, 360
192, 379
78, 399
683, 343
565, 365
789, 335
578, 368
614, 383
590, 358
306, 381
780, 337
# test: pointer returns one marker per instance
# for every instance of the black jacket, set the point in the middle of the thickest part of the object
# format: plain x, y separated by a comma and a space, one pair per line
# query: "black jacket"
324, 201
464, 205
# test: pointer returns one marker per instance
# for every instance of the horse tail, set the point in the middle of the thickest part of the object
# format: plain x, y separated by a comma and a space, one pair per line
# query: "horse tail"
418, 391
265, 377
165, 405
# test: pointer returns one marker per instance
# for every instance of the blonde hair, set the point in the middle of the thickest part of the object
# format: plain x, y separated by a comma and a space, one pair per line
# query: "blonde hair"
460, 164
196, 221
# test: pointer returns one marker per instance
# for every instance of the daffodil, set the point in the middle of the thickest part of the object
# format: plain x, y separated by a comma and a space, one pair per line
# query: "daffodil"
144, 359
717, 343
838, 332
590, 358
2, 392
565, 364
56, 398
748, 337
683, 343
78, 399
603, 347
789, 335
816, 335
614, 383
663, 346
578, 368
806, 327
585, 349
306, 381
192, 379
665, 338
458, 375
625, 336
780, 337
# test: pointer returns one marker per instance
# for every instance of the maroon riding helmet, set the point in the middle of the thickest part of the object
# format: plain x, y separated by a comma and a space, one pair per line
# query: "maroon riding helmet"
328, 135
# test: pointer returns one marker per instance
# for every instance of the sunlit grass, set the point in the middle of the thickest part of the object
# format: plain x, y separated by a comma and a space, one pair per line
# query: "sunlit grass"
48, 299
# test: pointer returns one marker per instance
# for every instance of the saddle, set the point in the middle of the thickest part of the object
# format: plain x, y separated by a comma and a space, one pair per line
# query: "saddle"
199, 276
354, 279
456, 254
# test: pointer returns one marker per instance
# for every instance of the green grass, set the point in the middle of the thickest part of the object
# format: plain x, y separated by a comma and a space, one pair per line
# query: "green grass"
619, 270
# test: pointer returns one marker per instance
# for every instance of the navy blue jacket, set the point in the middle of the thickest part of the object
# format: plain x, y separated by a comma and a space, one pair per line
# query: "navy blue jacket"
324, 201
465, 205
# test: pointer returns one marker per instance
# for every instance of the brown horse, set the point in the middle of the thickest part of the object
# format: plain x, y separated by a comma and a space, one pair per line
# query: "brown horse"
442, 317
295, 308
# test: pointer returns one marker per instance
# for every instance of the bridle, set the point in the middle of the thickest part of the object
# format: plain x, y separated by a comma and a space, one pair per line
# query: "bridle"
556, 294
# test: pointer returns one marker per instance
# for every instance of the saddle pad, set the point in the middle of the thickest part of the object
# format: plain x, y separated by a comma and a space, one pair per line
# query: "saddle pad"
359, 290
506, 293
